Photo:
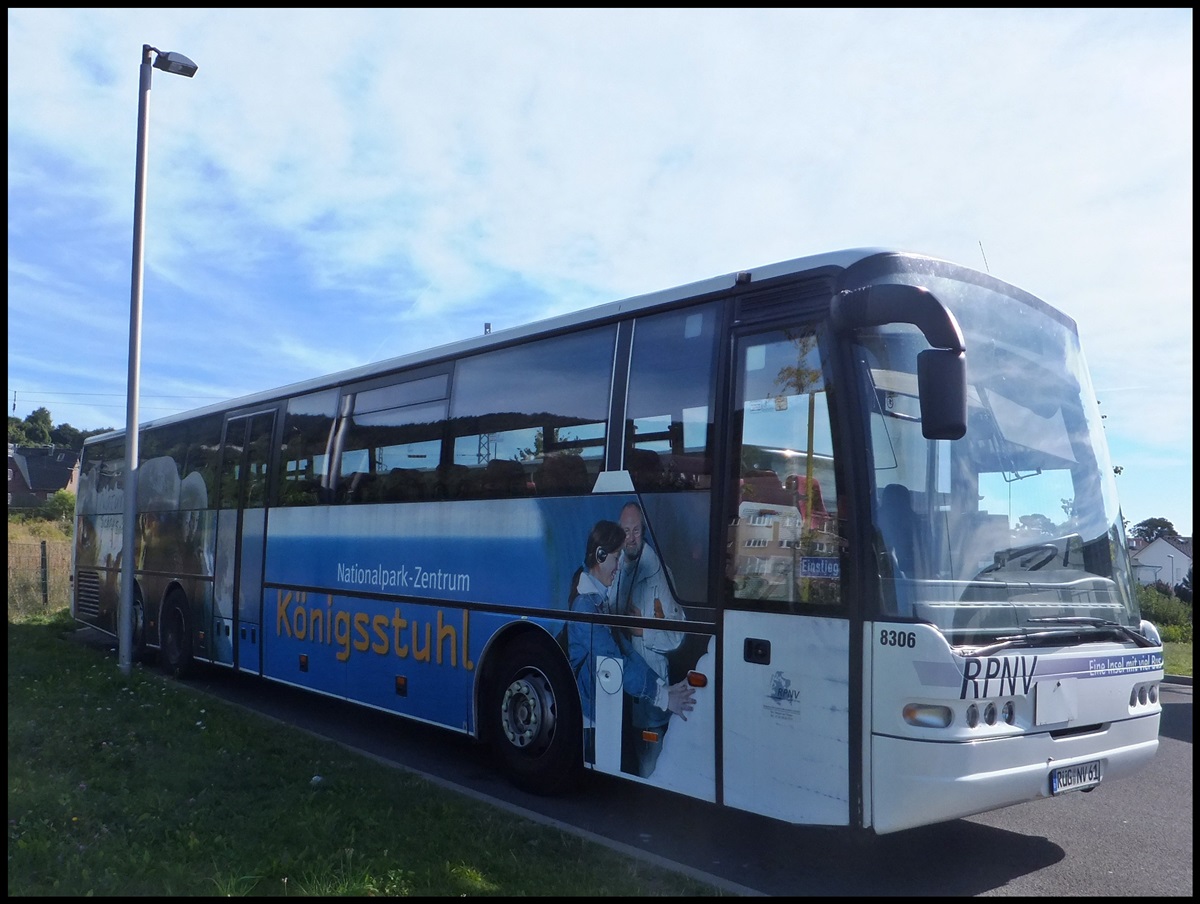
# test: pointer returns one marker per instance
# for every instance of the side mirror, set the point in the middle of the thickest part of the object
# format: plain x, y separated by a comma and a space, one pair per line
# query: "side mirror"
941, 370
942, 384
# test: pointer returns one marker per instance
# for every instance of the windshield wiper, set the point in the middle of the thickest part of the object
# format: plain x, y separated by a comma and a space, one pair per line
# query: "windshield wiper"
1028, 639
1053, 635
1092, 621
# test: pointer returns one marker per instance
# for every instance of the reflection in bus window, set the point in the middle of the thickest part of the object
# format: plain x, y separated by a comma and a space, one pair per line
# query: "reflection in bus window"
391, 454
784, 545
307, 433
669, 436
514, 407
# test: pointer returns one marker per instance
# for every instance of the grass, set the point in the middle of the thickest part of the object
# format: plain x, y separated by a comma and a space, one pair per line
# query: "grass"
1178, 658
29, 595
132, 785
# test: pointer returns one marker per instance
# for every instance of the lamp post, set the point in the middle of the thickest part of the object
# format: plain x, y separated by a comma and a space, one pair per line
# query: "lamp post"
1171, 582
178, 64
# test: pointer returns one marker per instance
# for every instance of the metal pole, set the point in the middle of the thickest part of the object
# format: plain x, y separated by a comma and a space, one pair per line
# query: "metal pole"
45, 578
129, 529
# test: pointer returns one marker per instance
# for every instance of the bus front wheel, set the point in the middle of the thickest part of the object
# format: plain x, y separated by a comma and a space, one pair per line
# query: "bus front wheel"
534, 721
175, 653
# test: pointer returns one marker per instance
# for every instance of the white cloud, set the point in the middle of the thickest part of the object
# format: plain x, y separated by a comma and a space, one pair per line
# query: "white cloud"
336, 186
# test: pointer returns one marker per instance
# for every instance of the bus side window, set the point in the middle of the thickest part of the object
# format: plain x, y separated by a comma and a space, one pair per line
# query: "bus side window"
513, 408
390, 440
668, 442
304, 468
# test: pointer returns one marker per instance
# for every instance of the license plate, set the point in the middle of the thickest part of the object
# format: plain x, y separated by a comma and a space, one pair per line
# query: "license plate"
1075, 778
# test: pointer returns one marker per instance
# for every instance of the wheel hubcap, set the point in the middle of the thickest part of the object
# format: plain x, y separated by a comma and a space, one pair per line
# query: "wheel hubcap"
527, 712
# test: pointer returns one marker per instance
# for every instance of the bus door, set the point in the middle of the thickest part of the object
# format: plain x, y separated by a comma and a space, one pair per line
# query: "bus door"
241, 526
786, 644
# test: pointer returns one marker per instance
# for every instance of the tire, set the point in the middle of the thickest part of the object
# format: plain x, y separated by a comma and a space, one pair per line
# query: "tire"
533, 717
175, 652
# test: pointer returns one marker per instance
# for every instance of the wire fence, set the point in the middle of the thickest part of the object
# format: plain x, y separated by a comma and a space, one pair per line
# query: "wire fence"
39, 577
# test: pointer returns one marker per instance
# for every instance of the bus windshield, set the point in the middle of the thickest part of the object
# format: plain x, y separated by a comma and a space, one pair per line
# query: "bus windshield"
1015, 528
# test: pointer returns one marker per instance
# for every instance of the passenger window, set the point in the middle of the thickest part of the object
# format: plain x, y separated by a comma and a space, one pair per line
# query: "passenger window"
307, 435
179, 465
668, 441
669, 437
516, 410
388, 441
391, 455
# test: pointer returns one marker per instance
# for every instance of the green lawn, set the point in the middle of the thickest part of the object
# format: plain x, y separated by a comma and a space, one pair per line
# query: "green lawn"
1178, 658
135, 786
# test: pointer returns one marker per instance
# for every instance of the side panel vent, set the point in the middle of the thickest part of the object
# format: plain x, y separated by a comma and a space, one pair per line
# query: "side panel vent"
87, 594
806, 299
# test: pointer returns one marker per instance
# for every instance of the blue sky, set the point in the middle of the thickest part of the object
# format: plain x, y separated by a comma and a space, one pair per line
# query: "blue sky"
341, 186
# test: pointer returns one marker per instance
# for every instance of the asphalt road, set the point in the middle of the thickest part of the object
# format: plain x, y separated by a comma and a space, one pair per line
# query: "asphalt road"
1129, 837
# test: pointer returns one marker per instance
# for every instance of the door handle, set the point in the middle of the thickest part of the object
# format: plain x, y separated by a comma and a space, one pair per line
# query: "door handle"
757, 650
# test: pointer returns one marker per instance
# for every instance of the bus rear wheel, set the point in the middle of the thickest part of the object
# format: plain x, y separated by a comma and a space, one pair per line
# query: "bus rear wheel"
175, 653
534, 721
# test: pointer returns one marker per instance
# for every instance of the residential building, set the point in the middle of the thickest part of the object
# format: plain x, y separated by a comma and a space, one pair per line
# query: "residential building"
35, 473
1165, 559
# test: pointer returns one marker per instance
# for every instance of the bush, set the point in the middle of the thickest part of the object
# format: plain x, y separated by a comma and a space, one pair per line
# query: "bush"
26, 527
1165, 611
1176, 633
59, 507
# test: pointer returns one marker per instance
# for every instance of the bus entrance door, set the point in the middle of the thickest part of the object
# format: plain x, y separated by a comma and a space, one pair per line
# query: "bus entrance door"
785, 735
786, 717
241, 532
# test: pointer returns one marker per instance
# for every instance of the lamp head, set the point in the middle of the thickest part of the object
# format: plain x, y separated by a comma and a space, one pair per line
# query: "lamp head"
176, 63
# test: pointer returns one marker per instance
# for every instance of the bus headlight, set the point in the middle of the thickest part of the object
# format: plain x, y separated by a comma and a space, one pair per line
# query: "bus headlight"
928, 715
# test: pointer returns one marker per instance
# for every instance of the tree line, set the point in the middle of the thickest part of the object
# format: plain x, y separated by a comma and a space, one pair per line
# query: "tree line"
38, 429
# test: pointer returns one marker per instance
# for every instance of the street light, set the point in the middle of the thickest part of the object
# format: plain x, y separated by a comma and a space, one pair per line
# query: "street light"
1171, 582
178, 64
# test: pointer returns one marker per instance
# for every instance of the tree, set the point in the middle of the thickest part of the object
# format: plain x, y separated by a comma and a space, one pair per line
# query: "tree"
1037, 524
60, 507
16, 431
38, 430
1165, 611
68, 436
1183, 590
1153, 528
38, 426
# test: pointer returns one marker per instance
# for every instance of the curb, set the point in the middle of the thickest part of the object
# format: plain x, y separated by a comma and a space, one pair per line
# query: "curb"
1185, 680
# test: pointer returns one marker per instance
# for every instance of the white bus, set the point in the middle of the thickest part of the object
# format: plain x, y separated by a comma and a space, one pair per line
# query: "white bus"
835, 540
